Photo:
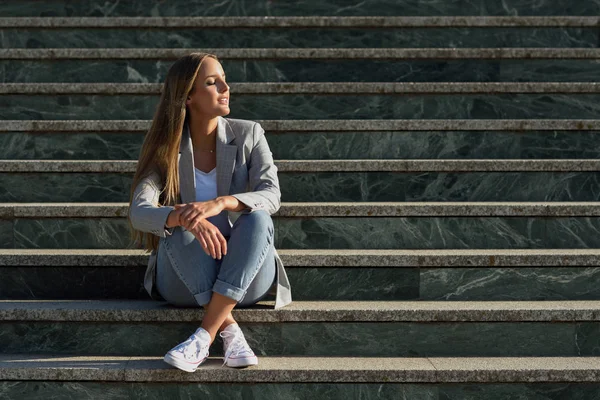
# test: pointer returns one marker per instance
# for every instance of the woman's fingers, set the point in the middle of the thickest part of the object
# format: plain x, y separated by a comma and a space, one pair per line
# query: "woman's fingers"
223, 243
203, 243
217, 244
210, 244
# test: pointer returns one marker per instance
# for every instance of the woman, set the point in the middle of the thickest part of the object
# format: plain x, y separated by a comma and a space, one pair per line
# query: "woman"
202, 199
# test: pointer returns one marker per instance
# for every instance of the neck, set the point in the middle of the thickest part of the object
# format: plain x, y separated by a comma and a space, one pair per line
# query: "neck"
203, 132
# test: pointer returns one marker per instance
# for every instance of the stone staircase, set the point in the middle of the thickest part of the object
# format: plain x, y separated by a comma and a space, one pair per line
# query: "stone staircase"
439, 175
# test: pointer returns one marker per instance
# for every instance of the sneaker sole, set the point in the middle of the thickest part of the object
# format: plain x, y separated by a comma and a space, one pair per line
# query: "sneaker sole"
242, 362
181, 364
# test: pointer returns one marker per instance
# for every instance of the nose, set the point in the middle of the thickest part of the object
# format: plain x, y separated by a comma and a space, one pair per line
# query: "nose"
224, 87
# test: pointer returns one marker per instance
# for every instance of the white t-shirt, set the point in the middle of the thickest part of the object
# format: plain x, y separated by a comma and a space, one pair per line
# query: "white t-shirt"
206, 189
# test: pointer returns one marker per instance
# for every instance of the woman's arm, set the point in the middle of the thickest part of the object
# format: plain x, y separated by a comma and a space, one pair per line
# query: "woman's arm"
144, 213
262, 176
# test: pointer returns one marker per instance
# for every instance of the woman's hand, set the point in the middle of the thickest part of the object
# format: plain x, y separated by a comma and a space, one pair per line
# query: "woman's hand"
210, 237
191, 214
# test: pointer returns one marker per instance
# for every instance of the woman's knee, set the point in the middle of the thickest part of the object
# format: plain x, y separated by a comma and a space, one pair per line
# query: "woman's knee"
259, 219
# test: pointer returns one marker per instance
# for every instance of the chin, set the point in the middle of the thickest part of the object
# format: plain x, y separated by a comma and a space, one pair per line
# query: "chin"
224, 112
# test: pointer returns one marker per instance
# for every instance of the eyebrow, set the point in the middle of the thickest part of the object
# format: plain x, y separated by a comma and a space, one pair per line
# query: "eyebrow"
208, 76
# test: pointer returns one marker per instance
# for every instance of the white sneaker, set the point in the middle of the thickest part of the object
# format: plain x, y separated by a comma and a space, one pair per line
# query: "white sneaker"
190, 354
236, 349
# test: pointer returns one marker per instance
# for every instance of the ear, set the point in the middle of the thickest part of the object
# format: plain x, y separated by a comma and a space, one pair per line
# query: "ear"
188, 101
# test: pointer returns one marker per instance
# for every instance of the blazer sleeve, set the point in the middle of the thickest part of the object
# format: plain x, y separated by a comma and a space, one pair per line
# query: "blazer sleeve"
144, 213
262, 176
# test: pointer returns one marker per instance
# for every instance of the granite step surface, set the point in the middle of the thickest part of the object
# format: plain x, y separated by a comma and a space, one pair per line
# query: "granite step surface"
318, 328
447, 258
333, 275
316, 311
333, 209
300, 369
326, 88
447, 165
304, 53
321, 125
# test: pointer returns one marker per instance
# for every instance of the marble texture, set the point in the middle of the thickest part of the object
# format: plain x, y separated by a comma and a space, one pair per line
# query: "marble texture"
456, 283
314, 21
339, 233
332, 339
28, 390
325, 145
501, 284
72, 283
478, 106
149, 71
331, 186
299, 37
542, 283
7, 237
48, 390
329, 7
126, 283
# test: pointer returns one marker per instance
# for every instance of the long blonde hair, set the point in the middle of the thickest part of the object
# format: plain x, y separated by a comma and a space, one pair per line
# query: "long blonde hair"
159, 152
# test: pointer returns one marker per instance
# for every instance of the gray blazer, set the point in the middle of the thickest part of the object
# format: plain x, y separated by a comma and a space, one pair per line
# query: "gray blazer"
245, 170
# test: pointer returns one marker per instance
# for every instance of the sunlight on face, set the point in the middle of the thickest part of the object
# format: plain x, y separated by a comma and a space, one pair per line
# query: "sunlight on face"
210, 97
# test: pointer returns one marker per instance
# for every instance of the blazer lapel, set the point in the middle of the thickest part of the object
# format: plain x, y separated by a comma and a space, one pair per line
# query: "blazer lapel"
187, 182
226, 154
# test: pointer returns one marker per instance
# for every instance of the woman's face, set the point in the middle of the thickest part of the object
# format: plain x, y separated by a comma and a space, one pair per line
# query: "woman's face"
210, 97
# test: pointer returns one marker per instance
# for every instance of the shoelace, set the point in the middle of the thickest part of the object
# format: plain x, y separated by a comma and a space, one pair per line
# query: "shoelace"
235, 344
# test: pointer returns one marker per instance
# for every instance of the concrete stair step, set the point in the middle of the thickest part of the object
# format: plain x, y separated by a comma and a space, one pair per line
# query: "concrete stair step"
320, 125
310, 328
283, 22
307, 311
315, 258
331, 209
305, 369
326, 88
417, 165
359, 275
498, 53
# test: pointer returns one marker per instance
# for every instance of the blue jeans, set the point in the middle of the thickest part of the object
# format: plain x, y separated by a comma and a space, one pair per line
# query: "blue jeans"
186, 276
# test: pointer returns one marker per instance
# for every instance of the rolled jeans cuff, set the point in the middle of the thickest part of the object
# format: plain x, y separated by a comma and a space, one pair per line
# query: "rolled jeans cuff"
203, 298
228, 290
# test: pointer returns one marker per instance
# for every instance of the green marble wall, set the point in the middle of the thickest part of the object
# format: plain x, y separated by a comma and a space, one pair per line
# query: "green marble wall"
476, 106
331, 186
330, 284
152, 71
299, 37
328, 7
336, 233
314, 339
325, 145
30, 390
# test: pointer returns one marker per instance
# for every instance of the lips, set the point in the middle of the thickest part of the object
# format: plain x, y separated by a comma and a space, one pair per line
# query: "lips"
224, 100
